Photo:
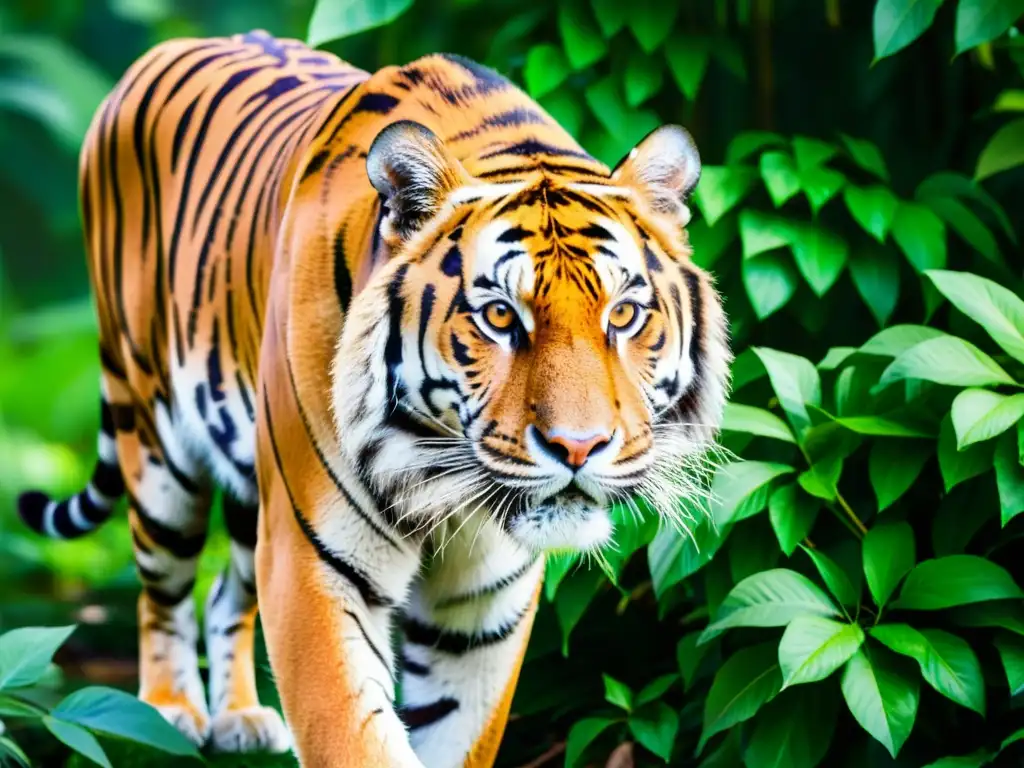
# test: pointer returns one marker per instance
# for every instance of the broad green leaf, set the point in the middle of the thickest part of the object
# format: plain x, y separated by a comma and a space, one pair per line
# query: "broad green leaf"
820, 256
898, 23
1010, 100
834, 576
780, 178
1009, 478
955, 580
617, 693
337, 19
921, 235
1004, 151
582, 735
1013, 738
581, 36
673, 555
792, 513
556, 567
866, 155
546, 68
781, 738
949, 184
974, 760
118, 713
946, 360
611, 15
9, 750
605, 100
889, 554
893, 466
572, 600
743, 684
1011, 653
78, 739
751, 550
981, 414
771, 598
876, 275
655, 689
720, 189
755, 421
26, 653
978, 21
947, 662
796, 384
820, 185
761, 232
651, 22
688, 58
835, 357
959, 465
656, 728
770, 282
967, 225
745, 144
811, 153
996, 309
643, 78
12, 707
881, 696
1006, 614
812, 648
880, 426
874, 208
566, 108
897, 339
709, 243
689, 656
740, 489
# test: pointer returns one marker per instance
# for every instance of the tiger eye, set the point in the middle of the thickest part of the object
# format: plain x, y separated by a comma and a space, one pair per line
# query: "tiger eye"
622, 315
499, 315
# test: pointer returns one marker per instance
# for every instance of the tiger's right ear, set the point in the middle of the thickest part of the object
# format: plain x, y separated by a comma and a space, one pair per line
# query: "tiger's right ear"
414, 173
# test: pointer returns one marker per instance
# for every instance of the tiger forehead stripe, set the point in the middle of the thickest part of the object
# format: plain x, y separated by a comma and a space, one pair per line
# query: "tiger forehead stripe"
476, 192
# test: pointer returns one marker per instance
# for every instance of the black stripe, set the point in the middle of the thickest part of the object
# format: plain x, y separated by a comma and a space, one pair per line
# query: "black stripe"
106, 419
427, 714
177, 543
414, 668
531, 147
94, 514
369, 642
240, 521
342, 276
169, 599
514, 235
697, 335
456, 643
487, 589
148, 575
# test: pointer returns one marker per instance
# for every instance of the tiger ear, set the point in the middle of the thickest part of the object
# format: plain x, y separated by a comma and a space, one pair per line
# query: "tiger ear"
414, 173
664, 168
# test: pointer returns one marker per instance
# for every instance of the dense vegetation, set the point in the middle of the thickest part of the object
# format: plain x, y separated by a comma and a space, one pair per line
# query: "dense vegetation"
849, 594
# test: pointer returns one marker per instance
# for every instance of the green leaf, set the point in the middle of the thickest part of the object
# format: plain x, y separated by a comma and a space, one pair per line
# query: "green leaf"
866, 156
743, 684
959, 465
545, 69
8, 749
946, 360
1013, 738
740, 489
781, 738
876, 275
1009, 478
811, 153
1010, 100
835, 357
947, 662
981, 414
834, 576
651, 22
921, 235
1011, 653
1006, 614
760, 232
656, 728
973, 760
996, 309
581, 36
12, 707
573, 598
780, 178
674, 555
120, 714
582, 735
955, 580
755, 421
78, 739
889, 554
967, 225
820, 256
948, 184
812, 648
874, 208
770, 282
771, 598
721, 188
893, 466
709, 243
657, 688
688, 58
689, 655
337, 19
792, 513
611, 15
881, 696
26, 653
617, 693
747, 143
820, 185
880, 426
565, 107
556, 568
897, 339
978, 21
606, 102
796, 384
643, 78
1004, 150
898, 23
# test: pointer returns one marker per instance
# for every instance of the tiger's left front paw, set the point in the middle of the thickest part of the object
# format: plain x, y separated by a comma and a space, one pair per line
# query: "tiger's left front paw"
255, 729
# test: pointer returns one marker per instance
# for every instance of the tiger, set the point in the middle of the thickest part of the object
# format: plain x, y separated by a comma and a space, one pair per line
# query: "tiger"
416, 338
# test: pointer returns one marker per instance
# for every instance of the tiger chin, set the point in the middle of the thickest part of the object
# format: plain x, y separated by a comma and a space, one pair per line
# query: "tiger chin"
418, 337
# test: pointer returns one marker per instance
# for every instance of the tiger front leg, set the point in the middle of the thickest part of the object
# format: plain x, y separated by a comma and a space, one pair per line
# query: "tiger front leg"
466, 633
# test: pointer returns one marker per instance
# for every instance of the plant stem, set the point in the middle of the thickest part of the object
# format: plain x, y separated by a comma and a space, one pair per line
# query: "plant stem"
861, 530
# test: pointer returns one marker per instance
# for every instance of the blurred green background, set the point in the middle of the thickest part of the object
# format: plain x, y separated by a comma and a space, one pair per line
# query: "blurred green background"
816, 79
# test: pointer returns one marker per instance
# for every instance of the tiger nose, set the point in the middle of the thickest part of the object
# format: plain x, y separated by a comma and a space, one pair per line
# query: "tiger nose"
570, 449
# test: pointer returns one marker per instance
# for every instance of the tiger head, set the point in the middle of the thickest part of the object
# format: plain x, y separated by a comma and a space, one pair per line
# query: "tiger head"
535, 349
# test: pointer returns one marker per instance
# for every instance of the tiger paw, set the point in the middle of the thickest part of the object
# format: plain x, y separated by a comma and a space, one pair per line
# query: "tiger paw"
194, 725
254, 729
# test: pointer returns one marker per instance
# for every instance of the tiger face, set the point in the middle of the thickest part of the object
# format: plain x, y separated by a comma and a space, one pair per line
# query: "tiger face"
547, 347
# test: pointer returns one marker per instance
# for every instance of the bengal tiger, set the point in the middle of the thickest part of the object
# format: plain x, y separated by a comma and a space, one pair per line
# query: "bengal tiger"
417, 336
